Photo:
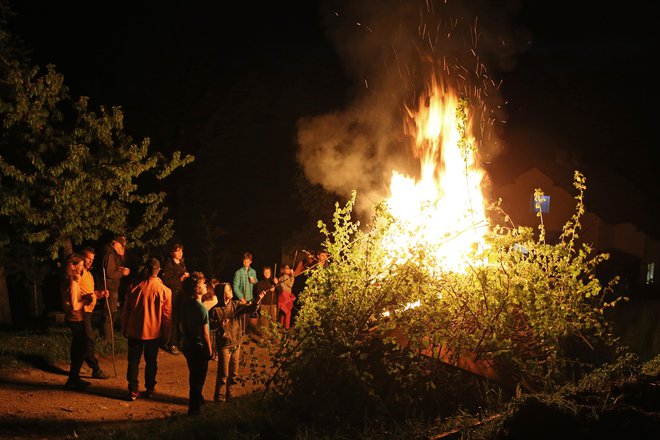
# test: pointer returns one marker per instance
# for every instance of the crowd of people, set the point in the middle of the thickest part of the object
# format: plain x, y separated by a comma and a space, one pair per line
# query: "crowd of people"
167, 308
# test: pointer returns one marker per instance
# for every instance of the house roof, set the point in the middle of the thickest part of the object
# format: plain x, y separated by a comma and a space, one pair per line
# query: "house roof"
610, 195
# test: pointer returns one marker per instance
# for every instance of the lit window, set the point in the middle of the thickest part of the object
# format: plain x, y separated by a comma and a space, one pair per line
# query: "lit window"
650, 271
543, 204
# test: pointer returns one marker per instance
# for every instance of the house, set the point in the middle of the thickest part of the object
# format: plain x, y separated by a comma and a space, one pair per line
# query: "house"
614, 221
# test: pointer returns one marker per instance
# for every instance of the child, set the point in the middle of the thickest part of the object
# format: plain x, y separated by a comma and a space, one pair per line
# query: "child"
230, 314
286, 297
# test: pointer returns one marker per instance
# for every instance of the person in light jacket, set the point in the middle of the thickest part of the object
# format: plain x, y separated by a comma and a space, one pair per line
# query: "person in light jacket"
73, 302
145, 322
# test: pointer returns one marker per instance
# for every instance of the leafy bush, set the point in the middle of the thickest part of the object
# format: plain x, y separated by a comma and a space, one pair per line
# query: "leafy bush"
387, 335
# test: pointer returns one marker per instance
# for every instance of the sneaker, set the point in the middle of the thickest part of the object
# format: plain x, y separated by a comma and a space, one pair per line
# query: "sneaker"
174, 350
149, 393
76, 384
100, 374
133, 395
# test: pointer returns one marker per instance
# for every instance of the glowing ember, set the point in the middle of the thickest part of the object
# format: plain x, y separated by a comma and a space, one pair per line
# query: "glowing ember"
442, 212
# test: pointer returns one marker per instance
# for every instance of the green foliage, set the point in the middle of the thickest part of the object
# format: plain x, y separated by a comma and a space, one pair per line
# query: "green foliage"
69, 173
380, 332
652, 367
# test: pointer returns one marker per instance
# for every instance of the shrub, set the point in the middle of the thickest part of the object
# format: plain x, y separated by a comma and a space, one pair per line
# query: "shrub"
388, 335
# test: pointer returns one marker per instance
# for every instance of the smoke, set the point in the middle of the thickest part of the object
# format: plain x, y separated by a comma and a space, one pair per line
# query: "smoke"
390, 48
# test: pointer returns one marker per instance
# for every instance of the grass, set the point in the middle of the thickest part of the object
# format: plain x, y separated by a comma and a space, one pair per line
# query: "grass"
44, 348
249, 417
25, 348
245, 418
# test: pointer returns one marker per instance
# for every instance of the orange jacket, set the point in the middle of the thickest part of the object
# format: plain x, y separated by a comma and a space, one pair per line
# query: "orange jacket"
147, 311
86, 283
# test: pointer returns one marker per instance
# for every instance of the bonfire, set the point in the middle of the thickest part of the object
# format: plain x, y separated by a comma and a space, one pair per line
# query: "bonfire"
439, 277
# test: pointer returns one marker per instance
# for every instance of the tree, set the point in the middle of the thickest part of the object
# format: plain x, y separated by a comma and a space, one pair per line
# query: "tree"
69, 174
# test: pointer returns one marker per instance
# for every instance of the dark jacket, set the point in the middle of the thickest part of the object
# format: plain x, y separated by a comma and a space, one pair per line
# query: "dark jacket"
112, 261
232, 333
271, 296
172, 273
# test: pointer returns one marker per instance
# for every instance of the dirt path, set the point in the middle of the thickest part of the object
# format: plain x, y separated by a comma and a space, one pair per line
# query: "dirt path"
34, 404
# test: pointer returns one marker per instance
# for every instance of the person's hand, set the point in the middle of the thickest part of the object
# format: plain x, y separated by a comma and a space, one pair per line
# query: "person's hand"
252, 280
100, 294
242, 301
275, 280
225, 322
184, 276
124, 270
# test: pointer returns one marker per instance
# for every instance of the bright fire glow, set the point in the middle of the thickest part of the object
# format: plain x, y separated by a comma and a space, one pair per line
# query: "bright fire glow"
443, 212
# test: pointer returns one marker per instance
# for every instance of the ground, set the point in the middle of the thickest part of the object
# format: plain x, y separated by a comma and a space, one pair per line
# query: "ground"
34, 404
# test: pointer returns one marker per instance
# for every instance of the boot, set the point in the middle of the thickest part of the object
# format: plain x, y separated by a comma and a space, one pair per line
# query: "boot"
217, 397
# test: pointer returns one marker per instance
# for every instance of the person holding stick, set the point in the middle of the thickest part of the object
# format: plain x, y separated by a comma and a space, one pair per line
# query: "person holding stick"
226, 319
88, 287
269, 303
114, 269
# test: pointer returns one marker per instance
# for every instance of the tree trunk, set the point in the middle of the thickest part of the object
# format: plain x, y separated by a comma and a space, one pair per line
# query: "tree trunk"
67, 248
5, 309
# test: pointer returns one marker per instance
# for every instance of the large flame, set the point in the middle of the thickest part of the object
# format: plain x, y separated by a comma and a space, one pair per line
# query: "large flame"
443, 212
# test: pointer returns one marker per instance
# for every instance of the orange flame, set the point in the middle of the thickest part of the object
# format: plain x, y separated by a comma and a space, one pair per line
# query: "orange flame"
443, 212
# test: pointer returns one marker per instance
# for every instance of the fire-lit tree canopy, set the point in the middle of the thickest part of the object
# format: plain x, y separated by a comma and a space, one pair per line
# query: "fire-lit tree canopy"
69, 173
378, 328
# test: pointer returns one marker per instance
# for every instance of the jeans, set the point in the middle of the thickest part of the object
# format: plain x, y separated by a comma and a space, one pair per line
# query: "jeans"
228, 361
110, 324
268, 310
197, 358
90, 353
175, 331
78, 348
135, 350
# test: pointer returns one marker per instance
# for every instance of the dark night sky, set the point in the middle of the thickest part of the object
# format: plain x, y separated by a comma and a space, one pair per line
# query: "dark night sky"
229, 83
